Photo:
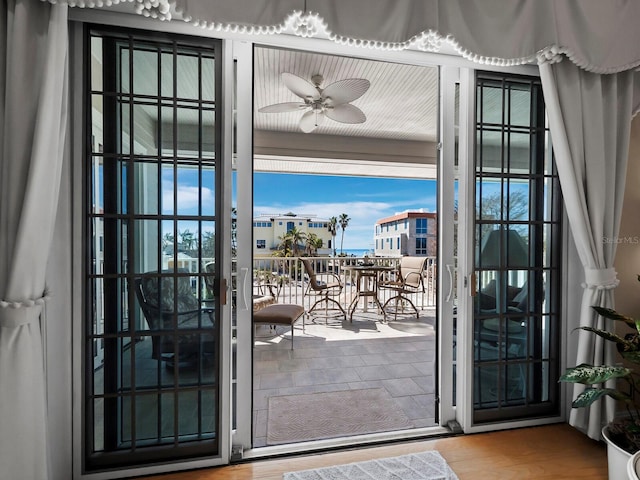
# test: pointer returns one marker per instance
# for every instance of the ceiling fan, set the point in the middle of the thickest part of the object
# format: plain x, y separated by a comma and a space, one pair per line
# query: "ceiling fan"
332, 101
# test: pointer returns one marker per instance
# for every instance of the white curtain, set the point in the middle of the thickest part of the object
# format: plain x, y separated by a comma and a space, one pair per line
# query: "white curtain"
600, 36
590, 122
33, 120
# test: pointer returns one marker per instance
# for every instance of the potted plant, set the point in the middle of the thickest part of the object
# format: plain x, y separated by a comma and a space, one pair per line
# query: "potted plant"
622, 434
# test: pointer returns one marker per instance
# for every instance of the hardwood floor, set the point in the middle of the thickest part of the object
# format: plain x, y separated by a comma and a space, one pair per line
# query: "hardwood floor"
548, 452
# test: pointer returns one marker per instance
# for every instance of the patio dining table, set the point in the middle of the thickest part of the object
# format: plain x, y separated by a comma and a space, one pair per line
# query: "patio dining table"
366, 285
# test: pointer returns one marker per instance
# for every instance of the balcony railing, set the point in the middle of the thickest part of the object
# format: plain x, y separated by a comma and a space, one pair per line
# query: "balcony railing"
284, 279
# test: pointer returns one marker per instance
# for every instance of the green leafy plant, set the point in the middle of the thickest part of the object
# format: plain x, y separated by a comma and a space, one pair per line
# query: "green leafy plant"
625, 432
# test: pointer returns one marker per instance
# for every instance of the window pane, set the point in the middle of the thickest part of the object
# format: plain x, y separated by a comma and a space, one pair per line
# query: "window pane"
519, 152
208, 79
187, 70
145, 72
166, 60
491, 150
492, 105
519, 106
188, 190
146, 179
144, 128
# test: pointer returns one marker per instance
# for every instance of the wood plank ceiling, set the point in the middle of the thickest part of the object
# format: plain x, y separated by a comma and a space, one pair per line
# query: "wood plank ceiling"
397, 139
401, 104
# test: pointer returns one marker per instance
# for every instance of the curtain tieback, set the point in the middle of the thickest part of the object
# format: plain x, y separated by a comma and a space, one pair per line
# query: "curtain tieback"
600, 278
14, 314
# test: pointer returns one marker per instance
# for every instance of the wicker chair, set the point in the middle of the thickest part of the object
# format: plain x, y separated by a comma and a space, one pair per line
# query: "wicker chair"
168, 310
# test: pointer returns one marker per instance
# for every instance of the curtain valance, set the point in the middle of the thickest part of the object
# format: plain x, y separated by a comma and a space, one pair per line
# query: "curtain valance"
601, 37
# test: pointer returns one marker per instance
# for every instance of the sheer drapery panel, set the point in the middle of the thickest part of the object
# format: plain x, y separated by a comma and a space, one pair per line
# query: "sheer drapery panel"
33, 92
590, 121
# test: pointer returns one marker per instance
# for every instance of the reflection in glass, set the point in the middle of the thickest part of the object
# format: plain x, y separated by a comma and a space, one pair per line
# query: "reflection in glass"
207, 79
519, 152
520, 110
145, 68
152, 332
187, 68
146, 175
515, 337
492, 105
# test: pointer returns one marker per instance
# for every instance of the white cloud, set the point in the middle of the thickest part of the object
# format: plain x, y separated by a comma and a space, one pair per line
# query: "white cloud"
188, 197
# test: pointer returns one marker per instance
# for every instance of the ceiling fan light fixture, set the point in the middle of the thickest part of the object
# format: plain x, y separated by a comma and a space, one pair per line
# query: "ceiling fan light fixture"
334, 100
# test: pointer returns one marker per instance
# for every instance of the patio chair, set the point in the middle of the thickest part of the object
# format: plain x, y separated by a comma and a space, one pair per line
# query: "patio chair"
209, 279
408, 280
325, 289
169, 309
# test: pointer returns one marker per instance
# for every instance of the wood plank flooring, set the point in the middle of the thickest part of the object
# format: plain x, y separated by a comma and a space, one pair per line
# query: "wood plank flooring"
549, 452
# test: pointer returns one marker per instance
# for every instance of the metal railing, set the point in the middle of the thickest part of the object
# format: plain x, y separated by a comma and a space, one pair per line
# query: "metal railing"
284, 278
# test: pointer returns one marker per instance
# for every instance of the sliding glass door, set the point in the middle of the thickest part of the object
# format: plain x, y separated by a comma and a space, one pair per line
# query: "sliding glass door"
153, 304
516, 317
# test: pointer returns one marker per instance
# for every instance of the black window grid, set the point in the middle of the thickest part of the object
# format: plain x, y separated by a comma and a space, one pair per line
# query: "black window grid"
121, 336
537, 365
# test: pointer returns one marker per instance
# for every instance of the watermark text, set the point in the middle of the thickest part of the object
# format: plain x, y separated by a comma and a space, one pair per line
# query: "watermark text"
622, 240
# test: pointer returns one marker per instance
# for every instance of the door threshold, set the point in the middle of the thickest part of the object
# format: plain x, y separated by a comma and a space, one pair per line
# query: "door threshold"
344, 442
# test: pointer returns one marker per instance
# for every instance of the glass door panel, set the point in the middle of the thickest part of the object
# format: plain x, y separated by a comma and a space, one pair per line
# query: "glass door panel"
517, 225
153, 276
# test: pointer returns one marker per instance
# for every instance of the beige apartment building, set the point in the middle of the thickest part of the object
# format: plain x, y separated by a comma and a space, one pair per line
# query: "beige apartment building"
268, 230
407, 233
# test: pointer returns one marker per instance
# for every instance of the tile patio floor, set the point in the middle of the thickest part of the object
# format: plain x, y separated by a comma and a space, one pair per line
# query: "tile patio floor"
398, 356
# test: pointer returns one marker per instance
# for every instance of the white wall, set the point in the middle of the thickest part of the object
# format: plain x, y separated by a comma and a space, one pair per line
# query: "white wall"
627, 263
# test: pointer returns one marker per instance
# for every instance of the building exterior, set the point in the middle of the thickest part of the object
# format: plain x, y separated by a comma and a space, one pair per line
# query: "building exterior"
268, 230
407, 233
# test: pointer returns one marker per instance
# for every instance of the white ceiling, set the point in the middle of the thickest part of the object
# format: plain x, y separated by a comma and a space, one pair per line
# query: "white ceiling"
397, 139
401, 104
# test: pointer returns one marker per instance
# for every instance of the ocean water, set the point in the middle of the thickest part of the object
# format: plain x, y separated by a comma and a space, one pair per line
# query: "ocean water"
356, 252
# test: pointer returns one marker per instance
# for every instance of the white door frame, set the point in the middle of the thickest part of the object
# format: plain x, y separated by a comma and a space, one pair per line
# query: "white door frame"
446, 260
466, 283
243, 165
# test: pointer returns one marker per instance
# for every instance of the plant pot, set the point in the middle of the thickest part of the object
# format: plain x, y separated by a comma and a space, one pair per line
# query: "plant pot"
617, 458
633, 467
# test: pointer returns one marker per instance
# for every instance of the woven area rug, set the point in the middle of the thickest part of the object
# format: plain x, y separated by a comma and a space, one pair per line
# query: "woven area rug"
417, 466
300, 418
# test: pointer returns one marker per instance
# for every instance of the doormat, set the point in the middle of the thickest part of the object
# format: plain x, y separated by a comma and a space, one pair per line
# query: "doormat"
315, 416
416, 466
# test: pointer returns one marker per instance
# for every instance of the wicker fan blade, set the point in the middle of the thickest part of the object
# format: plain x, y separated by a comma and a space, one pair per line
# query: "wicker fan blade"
346, 113
283, 107
345, 91
311, 120
300, 86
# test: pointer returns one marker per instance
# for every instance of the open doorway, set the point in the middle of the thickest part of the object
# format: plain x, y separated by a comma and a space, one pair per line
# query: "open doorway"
344, 195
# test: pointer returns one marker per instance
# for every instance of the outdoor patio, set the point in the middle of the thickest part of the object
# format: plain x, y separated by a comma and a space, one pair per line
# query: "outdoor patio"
397, 356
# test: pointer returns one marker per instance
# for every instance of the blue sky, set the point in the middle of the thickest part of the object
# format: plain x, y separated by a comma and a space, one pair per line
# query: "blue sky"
364, 199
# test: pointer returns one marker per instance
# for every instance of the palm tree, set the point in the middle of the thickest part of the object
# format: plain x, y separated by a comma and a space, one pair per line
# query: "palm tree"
208, 244
313, 243
297, 238
290, 242
167, 240
343, 221
333, 229
284, 247
187, 240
